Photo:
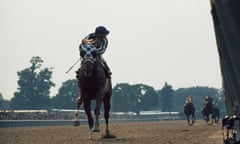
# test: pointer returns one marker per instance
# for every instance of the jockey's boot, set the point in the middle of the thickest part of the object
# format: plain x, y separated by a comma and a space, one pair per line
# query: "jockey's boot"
77, 74
107, 70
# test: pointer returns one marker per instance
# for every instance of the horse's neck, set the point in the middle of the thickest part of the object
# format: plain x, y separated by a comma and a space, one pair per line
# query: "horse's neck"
189, 103
209, 103
99, 65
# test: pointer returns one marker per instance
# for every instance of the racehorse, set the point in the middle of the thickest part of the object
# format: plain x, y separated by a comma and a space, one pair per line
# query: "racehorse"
94, 85
189, 110
207, 111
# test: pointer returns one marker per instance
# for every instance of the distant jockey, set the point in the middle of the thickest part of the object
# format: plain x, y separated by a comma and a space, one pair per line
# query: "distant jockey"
189, 99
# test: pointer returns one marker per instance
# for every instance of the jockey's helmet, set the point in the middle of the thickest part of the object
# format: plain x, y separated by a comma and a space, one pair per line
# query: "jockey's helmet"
206, 97
101, 30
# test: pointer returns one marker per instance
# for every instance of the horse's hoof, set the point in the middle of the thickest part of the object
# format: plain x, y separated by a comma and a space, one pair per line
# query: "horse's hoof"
76, 123
108, 136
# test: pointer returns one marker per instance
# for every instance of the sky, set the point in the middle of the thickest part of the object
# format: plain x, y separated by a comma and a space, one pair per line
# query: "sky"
150, 41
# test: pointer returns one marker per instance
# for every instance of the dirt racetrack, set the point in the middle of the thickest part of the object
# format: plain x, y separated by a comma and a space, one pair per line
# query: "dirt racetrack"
164, 132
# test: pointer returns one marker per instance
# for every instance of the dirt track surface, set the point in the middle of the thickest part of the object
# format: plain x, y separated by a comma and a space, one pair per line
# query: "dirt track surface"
165, 132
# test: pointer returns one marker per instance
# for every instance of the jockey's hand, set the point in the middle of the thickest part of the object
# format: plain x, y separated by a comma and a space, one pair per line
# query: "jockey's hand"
87, 41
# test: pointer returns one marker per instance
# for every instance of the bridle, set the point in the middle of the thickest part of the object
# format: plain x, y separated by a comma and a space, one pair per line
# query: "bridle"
88, 64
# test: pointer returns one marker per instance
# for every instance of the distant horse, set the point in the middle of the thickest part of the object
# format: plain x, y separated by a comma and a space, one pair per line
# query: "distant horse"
189, 110
94, 85
207, 111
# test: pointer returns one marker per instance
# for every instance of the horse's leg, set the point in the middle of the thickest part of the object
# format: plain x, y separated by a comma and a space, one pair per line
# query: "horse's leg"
193, 117
89, 116
207, 118
212, 118
97, 112
188, 119
107, 107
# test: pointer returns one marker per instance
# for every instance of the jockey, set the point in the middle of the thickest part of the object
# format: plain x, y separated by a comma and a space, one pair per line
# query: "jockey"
208, 99
189, 99
100, 41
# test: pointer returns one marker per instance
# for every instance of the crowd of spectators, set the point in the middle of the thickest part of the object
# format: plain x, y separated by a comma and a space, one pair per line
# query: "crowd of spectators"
56, 115
69, 115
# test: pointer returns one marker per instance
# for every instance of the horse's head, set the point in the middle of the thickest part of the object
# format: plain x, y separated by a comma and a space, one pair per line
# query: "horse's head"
88, 54
88, 66
88, 50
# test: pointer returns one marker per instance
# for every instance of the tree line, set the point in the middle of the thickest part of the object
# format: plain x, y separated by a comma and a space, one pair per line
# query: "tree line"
35, 82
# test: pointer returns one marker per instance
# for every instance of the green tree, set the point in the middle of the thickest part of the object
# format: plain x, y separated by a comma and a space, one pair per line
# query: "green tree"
1, 97
120, 98
134, 98
4, 104
166, 97
67, 95
34, 86
146, 97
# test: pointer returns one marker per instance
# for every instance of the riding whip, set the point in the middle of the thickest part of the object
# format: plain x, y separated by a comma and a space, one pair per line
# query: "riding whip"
73, 65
